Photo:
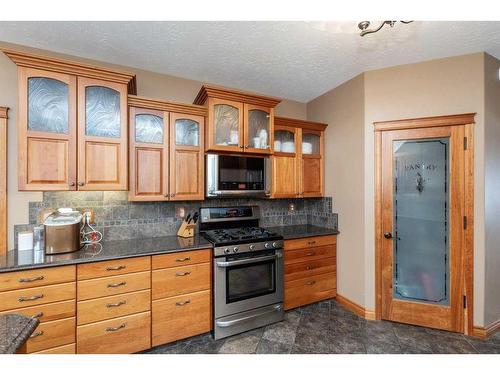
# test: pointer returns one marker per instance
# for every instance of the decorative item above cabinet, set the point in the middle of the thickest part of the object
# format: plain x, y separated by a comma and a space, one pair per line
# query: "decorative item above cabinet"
298, 159
238, 121
64, 105
166, 150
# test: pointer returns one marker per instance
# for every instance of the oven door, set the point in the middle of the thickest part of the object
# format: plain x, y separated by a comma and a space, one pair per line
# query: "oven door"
248, 281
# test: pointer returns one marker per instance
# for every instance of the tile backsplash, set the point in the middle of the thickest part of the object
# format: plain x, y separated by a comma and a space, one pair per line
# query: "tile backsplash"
117, 218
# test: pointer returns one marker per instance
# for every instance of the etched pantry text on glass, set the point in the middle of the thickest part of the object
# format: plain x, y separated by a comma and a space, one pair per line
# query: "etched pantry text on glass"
102, 112
420, 223
48, 108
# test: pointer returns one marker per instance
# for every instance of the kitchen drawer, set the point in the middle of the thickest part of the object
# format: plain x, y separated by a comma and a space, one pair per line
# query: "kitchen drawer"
174, 281
314, 253
49, 311
308, 290
113, 267
128, 334
301, 270
16, 299
51, 334
65, 349
308, 242
108, 286
37, 277
179, 317
181, 259
95, 310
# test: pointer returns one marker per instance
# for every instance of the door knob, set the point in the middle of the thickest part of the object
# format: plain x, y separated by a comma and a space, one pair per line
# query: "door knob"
388, 235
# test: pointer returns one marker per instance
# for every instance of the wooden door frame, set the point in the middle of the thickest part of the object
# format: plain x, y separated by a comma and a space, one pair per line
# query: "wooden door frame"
467, 120
3, 180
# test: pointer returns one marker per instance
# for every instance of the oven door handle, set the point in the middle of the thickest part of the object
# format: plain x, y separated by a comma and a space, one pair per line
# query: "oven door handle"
229, 323
247, 261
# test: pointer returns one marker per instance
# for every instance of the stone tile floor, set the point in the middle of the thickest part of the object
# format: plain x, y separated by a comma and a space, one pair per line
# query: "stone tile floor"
328, 328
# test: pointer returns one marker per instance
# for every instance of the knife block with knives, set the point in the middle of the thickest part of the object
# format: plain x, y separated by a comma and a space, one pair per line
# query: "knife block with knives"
188, 226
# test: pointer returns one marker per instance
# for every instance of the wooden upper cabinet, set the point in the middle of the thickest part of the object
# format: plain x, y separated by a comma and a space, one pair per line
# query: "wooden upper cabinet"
237, 121
102, 135
186, 157
65, 106
166, 150
298, 159
148, 155
46, 130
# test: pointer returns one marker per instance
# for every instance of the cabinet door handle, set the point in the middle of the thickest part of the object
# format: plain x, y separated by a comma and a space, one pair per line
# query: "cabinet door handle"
72, 184
116, 268
183, 259
30, 279
183, 273
110, 305
37, 315
312, 282
242, 147
309, 268
36, 334
183, 303
113, 329
33, 298
311, 242
116, 285
81, 184
172, 195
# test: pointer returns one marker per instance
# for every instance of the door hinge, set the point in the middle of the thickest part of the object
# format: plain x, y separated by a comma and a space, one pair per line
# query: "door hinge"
465, 302
465, 222
465, 143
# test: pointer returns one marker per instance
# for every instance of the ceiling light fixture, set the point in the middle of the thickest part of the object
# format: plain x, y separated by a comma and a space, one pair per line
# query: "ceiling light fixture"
364, 26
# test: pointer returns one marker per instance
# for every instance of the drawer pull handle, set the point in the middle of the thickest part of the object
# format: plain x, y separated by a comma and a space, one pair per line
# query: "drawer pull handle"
30, 279
114, 329
183, 303
37, 315
183, 259
312, 282
309, 268
116, 268
183, 273
311, 242
33, 298
116, 285
110, 305
310, 254
36, 334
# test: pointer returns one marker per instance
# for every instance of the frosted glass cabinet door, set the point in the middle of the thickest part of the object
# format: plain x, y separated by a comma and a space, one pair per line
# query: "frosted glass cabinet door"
226, 124
311, 144
259, 124
187, 132
421, 174
284, 141
149, 128
102, 112
48, 105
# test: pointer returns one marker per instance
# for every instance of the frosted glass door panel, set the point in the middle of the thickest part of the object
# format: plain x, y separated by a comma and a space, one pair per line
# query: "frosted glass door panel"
311, 144
284, 141
102, 112
420, 221
48, 109
258, 129
226, 121
187, 132
148, 129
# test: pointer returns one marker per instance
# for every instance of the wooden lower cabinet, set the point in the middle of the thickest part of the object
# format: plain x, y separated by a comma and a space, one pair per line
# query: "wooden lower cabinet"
182, 316
51, 334
123, 335
65, 349
20, 298
310, 270
108, 286
170, 282
48, 312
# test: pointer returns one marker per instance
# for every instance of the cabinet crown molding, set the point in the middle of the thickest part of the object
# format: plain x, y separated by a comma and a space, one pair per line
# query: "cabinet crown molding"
30, 60
219, 92
167, 106
3, 112
285, 121
425, 122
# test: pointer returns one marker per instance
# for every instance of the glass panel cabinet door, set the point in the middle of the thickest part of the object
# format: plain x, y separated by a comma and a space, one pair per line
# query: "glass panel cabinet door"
259, 134
149, 128
187, 132
226, 124
284, 141
102, 112
311, 144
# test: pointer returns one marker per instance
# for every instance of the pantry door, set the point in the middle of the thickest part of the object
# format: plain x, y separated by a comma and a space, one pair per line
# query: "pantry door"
422, 234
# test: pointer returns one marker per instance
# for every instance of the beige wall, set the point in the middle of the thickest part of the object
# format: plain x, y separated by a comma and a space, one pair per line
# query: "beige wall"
149, 84
343, 110
492, 188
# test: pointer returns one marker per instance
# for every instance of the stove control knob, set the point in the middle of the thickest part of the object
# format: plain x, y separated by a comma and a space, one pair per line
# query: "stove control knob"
235, 249
251, 247
266, 245
227, 251
275, 244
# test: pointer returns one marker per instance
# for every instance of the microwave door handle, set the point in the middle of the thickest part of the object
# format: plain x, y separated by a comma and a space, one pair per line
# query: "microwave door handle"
247, 261
229, 323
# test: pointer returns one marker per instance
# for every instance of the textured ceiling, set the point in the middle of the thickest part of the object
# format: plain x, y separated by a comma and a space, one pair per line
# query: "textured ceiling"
293, 60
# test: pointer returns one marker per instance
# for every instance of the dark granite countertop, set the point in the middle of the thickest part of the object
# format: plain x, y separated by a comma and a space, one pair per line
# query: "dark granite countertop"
15, 329
16, 260
290, 232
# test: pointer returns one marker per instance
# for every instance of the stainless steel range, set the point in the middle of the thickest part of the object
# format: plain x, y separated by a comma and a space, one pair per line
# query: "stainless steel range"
248, 269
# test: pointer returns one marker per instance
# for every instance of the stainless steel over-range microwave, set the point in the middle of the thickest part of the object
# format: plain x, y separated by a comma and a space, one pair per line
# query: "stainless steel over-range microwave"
230, 175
